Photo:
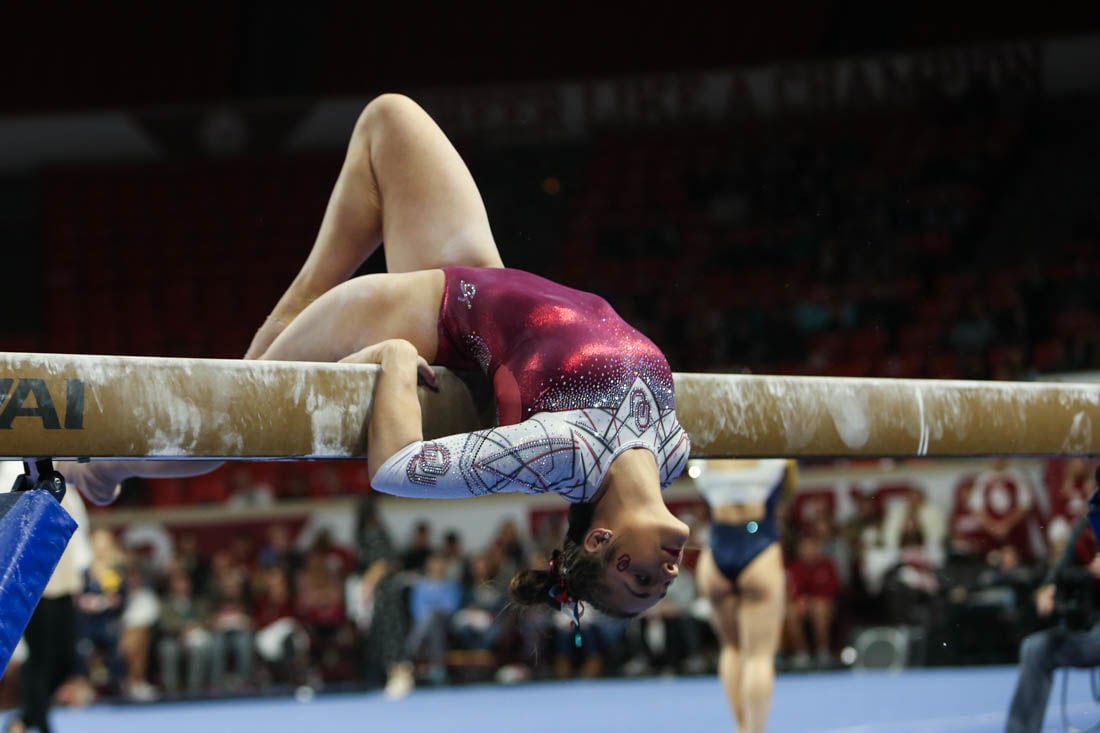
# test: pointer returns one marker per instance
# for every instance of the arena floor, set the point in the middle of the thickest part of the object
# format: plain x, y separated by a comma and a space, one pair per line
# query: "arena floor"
973, 700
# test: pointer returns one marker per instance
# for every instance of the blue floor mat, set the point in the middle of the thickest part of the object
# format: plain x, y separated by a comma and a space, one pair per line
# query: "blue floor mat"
973, 700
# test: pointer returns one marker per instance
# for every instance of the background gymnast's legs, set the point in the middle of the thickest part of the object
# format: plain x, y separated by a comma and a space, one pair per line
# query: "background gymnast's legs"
747, 619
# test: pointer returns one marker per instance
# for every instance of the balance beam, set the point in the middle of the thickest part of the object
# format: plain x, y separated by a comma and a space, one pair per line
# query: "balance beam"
79, 406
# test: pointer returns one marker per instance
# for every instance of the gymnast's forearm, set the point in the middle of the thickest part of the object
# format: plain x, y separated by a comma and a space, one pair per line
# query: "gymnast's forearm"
395, 420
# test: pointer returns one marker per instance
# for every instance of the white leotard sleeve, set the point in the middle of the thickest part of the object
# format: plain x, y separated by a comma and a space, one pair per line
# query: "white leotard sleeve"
565, 452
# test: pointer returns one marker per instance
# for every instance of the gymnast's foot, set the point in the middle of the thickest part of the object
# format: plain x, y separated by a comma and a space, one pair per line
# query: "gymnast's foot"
97, 482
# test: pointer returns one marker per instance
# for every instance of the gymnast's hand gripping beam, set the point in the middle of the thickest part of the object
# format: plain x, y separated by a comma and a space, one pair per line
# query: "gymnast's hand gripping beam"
79, 406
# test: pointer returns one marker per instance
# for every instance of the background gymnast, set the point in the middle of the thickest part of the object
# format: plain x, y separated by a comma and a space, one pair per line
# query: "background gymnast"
585, 402
741, 574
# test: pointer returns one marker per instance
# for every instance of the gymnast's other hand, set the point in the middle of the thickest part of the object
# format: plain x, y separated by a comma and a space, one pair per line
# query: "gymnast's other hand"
95, 481
395, 353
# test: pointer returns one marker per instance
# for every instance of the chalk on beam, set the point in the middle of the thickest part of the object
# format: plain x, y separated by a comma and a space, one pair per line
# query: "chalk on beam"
34, 530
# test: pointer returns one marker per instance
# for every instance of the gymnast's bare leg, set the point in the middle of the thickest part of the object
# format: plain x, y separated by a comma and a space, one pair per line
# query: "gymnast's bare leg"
402, 182
747, 619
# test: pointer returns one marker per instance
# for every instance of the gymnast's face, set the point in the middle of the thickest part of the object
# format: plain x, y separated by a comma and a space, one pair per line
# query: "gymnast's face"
641, 561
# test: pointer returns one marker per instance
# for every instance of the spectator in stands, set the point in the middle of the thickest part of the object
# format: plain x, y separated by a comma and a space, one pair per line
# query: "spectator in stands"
671, 635
278, 550
230, 625
1004, 501
602, 646
242, 552
878, 552
433, 599
966, 535
377, 605
337, 558
509, 550
139, 617
862, 532
1007, 584
419, 548
812, 587
192, 561
535, 630
1069, 496
1065, 592
834, 547
183, 636
319, 587
100, 606
452, 554
476, 624
911, 587
281, 641
916, 514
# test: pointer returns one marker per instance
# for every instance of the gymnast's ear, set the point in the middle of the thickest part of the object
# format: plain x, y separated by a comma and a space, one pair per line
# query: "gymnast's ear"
597, 539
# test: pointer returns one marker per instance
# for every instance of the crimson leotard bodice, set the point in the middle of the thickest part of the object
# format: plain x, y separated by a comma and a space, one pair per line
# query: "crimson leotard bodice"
576, 386
547, 347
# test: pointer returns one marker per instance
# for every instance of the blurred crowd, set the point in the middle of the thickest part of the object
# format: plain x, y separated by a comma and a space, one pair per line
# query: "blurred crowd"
185, 617
164, 616
961, 574
954, 239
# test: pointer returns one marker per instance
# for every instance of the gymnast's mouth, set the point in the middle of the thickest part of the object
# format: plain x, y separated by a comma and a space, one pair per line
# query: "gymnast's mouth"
674, 552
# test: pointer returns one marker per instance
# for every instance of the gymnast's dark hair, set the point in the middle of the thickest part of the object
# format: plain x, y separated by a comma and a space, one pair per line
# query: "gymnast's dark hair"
581, 571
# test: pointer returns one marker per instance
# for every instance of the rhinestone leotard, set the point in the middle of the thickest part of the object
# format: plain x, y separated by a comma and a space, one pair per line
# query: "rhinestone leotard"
575, 387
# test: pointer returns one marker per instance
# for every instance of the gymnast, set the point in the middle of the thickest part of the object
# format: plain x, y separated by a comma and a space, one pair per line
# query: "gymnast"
741, 573
585, 402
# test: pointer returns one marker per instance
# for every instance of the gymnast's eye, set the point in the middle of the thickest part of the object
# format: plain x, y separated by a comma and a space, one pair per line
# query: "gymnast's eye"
642, 579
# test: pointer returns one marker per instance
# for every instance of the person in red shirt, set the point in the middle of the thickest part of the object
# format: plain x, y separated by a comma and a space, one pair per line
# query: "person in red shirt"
281, 640
319, 589
967, 536
813, 582
1069, 495
1003, 499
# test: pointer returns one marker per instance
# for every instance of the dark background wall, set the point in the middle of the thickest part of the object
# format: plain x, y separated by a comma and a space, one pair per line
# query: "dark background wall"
65, 56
